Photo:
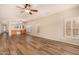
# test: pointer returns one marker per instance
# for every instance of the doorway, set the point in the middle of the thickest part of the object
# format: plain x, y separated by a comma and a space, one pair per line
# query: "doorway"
4, 30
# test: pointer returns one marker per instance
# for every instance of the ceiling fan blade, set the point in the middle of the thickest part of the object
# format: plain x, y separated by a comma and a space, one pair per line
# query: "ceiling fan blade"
30, 13
22, 11
34, 10
20, 7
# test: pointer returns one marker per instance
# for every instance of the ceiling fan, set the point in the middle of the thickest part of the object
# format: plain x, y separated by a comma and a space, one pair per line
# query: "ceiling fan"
27, 8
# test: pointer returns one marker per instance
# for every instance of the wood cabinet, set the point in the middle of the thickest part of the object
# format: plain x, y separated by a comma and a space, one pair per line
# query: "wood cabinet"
23, 31
18, 32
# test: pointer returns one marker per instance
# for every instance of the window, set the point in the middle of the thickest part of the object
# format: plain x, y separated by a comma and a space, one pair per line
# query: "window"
72, 28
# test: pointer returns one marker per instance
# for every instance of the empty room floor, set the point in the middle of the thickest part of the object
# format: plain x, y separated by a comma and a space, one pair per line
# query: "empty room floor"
31, 45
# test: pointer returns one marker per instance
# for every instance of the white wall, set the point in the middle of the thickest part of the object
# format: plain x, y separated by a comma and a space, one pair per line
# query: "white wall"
52, 26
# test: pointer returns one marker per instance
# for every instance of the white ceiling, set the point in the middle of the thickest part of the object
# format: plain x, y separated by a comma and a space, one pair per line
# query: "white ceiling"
8, 11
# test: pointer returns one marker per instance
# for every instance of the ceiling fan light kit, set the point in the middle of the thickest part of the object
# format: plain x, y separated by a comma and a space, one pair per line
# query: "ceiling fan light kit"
27, 11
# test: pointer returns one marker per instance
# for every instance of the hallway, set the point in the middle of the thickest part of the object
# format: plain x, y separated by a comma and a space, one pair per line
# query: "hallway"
30, 45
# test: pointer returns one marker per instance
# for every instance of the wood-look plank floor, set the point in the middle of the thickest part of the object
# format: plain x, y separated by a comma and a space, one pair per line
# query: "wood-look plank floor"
30, 45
